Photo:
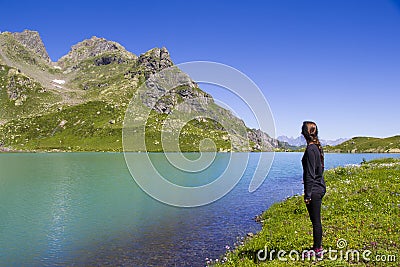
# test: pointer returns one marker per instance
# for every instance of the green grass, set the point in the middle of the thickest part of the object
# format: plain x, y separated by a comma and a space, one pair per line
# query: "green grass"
382, 161
87, 127
368, 145
190, 135
105, 82
362, 206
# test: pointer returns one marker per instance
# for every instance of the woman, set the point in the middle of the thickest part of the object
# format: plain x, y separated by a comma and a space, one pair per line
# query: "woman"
314, 184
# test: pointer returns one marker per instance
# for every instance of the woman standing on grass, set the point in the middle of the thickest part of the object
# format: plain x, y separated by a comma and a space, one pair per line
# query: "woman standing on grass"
314, 184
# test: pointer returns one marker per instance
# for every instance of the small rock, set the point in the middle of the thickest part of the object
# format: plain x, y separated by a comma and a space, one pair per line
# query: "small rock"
112, 121
258, 218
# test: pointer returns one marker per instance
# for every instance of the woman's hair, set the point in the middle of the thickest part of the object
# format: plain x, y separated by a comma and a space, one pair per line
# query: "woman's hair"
310, 132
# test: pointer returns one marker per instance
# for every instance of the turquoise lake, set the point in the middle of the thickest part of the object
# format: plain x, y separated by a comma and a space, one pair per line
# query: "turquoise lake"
61, 209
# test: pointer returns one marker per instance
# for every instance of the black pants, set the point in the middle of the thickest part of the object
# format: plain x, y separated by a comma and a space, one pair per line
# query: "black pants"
314, 210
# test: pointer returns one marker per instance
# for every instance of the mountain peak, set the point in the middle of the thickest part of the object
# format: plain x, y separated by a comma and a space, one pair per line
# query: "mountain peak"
93, 47
157, 52
31, 40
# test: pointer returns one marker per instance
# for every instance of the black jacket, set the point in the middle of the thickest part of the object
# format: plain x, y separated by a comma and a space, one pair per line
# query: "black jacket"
313, 178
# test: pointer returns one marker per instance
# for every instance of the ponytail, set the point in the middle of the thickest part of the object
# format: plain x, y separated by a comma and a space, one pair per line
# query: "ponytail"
321, 150
310, 133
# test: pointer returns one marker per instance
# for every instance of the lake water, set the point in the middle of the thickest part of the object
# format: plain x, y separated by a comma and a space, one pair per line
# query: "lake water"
85, 209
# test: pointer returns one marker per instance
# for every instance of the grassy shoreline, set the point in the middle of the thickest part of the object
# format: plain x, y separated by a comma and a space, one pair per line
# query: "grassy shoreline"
56, 150
361, 206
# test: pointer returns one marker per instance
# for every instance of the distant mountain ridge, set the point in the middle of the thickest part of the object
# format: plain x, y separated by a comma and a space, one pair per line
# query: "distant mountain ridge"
300, 141
79, 102
368, 145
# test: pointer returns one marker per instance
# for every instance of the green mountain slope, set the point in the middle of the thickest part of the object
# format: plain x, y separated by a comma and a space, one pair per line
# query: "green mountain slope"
79, 102
22, 96
368, 145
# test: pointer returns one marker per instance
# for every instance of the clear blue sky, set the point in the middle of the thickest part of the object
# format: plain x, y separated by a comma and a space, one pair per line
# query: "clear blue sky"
336, 62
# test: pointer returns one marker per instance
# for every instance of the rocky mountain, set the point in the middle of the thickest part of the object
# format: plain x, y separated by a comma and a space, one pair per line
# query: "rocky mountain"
263, 141
300, 141
79, 103
153, 61
32, 41
105, 52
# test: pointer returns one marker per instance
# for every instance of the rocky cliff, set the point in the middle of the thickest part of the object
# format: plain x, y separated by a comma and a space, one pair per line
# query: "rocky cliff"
262, 141
153, 61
